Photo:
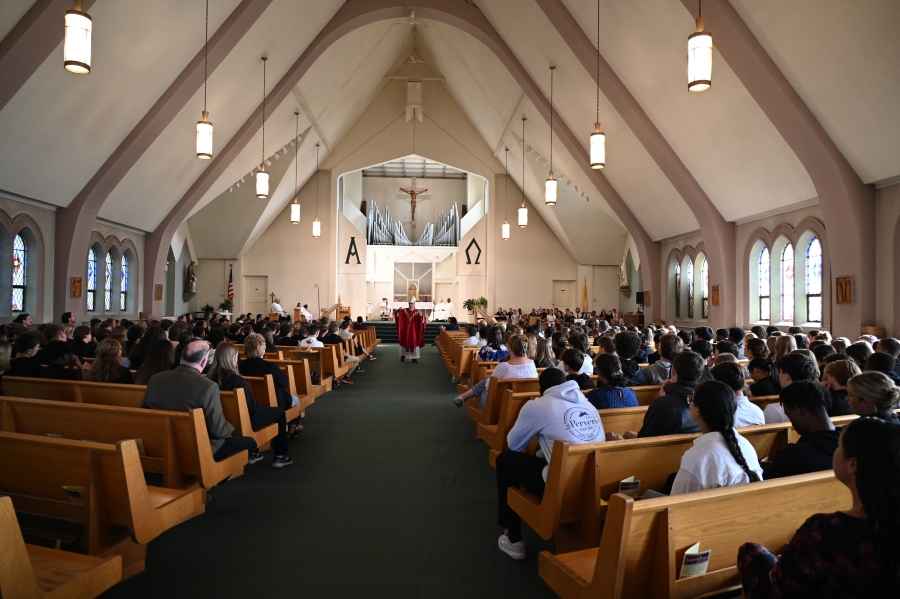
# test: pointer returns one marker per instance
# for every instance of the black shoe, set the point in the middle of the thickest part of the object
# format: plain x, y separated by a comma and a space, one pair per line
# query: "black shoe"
415, 361
403, 358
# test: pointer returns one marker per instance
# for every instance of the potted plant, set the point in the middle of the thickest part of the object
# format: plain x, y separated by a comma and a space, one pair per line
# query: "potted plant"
469, 305
482, 303
207, 311
226, 305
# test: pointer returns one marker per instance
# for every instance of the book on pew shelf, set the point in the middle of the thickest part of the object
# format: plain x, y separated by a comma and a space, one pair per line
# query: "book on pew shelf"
75, 494
629, 486
695, 562
650, 494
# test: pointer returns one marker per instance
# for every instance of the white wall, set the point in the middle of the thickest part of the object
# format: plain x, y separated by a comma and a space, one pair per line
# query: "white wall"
45, 220
887, 216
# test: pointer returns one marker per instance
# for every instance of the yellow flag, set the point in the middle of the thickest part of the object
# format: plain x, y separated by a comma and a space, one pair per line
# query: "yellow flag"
584, 298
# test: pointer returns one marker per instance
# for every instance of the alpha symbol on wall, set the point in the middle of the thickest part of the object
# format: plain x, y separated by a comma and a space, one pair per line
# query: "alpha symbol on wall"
477, 256
352, 251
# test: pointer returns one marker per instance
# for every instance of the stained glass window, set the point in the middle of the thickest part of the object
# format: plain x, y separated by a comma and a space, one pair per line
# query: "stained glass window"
107, 285
91, 279
814, 281
123, 285
677, 291
690, 279
19, 265
764, 285
704, 288
787, 284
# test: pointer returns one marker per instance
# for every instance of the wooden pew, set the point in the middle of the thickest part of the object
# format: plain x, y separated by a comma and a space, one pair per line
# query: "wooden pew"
106, 493
495, 434
496, 388
333, 356
34, 572
643, 542
263, 388
175, 444
582, 475
313, 356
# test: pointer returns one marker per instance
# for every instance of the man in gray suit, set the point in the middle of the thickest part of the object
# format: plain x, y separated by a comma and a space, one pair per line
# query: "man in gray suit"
185, 388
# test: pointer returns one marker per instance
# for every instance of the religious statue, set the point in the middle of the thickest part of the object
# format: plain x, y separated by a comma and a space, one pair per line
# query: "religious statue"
190, 279
413, 192
412, 292
623, 279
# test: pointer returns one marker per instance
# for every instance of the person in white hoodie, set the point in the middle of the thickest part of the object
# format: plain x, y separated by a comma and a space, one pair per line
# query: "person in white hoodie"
561, 412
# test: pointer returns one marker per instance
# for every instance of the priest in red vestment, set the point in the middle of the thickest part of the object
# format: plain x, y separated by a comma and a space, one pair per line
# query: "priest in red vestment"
410, 331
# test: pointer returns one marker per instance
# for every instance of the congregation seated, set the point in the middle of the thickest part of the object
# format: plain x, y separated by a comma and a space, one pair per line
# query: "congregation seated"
842, 554
835, 378
159, 358
223, 372
806, 405
185, 388
874, 394
549, 417
791, 368
254, 364
612, 390
24, 363
345, 334
765, 378
720, 457
519, 366
332, 338
746, 412
572, 362
627, 345
139, 352
670, 413
494, 350
62, 363
51, 332
107, 367
669, 347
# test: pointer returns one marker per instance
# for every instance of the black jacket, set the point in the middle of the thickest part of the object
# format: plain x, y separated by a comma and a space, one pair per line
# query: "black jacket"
764, 387
811, 453
259, 367
839, 404
24, 367
583, 380
232, 381
60, 372
633, 373
671, 413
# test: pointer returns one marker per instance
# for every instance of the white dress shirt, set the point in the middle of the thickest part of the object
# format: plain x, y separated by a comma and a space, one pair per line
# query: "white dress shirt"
774, 414
276, 307
474, 340
747, 413
306, 313
311, 342
709, 465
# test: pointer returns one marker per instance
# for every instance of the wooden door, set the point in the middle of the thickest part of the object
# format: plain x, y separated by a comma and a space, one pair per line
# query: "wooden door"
256, 295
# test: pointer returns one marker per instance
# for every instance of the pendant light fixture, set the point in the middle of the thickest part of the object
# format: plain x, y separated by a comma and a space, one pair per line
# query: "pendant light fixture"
550, 183
295, 205
204, 127
317, 226
700, 55
505, 228
598, 138
262, 177
523, 211
77, 45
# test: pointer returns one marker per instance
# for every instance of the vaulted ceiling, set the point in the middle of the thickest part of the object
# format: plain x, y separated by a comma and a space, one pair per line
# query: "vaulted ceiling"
58, 129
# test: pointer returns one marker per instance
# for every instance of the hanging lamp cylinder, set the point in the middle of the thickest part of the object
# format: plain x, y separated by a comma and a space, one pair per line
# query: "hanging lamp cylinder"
317, 228
295, 212
77, 44
262, 183
700, 57
505, 230
550, 190
204, 138
523, 217
598, 148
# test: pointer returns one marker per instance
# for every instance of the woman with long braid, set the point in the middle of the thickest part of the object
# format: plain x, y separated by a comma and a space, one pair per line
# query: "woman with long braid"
720, 457
844, 554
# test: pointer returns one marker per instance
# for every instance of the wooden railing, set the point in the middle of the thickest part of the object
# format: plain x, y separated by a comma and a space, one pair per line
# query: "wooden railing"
479, 313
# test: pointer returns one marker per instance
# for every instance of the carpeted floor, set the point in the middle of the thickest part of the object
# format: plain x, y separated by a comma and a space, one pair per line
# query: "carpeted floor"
390, 495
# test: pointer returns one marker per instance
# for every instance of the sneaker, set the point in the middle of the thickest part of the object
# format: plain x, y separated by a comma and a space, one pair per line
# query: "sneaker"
513, 550
282, 461
371, 357
347, 380
454, 380
255, 457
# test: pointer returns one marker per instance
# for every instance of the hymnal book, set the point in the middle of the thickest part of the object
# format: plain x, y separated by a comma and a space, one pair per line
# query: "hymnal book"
695, 561
629, 486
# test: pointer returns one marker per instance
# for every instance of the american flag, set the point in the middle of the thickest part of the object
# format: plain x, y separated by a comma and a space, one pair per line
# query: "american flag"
230, 284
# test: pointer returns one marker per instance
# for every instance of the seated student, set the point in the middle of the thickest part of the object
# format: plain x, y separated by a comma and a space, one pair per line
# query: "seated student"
737, 335
874, 394
106, 367
720, 457
63, 364
160, 358
821, 352
765, 378
721, 335
494, 350
746, 413
844, 554
791, 368
883, 363
543, 356
51, 332
312, 338
835, 378
572, 363
891, 346
605, 345
806, 404
755, 348
612, 392
705, 350
452, 324
519, 366
860, 352
255, 365
27, 345
580, 342
550, 416
332, 338
669, 347
138, 353
670, 413
472, 339
344, 333
627, 346
726, 347
224, 373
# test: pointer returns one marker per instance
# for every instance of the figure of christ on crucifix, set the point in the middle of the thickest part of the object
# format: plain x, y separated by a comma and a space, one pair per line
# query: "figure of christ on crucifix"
413, 192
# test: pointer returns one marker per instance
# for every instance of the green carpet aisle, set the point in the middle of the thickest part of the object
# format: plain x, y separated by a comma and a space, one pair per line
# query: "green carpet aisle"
390, 495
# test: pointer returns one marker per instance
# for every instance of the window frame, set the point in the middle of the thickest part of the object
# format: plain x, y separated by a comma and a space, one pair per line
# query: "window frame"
704, 289
788, 252
768, 295
91, 287
807, 278
677, 290
24, 285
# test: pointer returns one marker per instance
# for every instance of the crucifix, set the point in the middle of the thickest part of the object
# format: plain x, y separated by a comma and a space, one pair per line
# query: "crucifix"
413, 192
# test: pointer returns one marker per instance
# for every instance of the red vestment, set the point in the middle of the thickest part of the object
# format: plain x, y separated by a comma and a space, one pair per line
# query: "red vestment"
410, 327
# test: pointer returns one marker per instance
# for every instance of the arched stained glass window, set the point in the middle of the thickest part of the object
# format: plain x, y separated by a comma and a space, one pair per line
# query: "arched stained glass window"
91, 279
677, 291
764, 285
123, 285
704, 288
787, 284
690, 279
107, 284
814, 281
19, 265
